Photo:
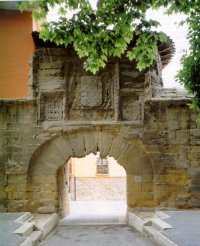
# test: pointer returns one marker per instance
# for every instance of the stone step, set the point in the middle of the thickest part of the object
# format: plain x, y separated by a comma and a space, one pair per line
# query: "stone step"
135, 221
32, 239
151, 232
27, 242
25, 218
35, 237
46, 223
161, 215
25, 229
173, 93
159, 224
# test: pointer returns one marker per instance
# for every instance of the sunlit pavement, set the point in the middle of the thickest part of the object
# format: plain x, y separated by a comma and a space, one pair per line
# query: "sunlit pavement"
93, 235
186, 225
96, 212
7, 227
99, 223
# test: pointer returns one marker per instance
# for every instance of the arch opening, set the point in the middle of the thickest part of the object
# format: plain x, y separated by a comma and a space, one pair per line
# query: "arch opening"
92, 187
48, 167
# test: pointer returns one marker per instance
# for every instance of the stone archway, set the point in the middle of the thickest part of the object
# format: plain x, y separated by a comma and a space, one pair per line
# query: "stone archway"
53, 154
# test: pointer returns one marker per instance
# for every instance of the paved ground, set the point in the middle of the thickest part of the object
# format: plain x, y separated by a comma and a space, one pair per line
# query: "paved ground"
96, 212
100, 223
7, 227
96, 235
186, 227
103, 224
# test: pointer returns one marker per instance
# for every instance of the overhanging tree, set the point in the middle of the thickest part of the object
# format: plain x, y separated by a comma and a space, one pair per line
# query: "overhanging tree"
107, 30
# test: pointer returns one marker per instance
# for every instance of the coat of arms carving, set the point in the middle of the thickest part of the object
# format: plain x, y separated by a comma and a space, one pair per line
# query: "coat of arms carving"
91, 91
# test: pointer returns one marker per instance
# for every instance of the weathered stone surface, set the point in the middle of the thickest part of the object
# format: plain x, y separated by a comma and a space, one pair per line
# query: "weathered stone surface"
91, 91
120, 112
90, 142
105, 141
119, 144
47, 209
182, 201
195, 203
131, 109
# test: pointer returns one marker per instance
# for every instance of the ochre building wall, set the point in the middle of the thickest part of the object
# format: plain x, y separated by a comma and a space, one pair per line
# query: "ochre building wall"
87, 167
16, 49
86, 184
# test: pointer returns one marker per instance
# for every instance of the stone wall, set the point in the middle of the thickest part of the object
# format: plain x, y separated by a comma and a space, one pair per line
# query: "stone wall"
18, 125
166, 177
150, 131
98, 188
172, 137
60, 83
3, 158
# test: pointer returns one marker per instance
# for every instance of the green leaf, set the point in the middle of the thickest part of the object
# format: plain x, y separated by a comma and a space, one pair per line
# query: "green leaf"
114, 25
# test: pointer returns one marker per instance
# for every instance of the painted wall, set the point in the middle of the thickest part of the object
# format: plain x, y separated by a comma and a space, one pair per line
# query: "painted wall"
16, 49
86, 167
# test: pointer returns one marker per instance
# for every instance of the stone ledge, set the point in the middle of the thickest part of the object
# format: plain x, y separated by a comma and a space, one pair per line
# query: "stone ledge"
160, 225
25, 217
150, 223
89, 123
17, 100
45, 223
157, 236
170, 99
25, 229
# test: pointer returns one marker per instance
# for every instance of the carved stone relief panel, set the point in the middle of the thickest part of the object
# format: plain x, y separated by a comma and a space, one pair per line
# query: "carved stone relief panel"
131, 109
91, 91
52, 106
90, 97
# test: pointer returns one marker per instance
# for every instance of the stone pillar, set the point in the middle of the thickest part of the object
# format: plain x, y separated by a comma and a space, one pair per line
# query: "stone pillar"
63, 195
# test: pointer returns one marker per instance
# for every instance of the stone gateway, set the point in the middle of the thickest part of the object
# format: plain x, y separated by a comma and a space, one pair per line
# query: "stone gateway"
120, 112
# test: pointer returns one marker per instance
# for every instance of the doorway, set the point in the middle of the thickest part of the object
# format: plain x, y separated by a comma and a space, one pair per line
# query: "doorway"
95, 189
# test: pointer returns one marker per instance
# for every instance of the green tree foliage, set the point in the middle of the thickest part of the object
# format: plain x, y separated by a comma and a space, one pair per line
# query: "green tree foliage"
189, 75
110, 28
